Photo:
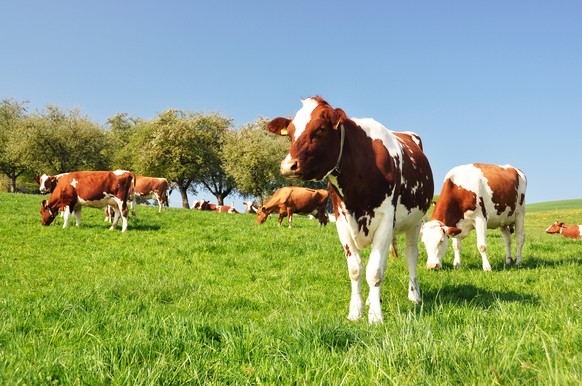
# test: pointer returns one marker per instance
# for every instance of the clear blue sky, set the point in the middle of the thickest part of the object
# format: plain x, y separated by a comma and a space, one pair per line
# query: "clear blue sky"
491, 81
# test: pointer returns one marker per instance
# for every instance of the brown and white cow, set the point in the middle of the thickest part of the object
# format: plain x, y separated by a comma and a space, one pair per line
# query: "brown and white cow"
480, 196
206, 205
293, 199
48, 183
250, 207
151, 187
380, 185
95, 189
566, 230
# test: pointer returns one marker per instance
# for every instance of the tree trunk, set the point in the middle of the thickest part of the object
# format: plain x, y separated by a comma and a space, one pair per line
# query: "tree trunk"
219, 199
184, 194
13, 183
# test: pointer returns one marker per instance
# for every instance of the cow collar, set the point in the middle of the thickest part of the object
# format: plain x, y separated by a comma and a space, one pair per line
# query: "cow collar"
337, 169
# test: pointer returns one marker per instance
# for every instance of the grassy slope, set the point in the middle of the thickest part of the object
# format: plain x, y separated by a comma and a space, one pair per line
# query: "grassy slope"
196, 297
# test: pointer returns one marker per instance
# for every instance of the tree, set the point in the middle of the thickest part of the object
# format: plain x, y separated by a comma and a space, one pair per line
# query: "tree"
182, 146
12, 132
121, 128
252, 157
66, 141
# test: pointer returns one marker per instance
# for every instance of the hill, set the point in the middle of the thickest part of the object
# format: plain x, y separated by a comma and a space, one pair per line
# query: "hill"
554, 205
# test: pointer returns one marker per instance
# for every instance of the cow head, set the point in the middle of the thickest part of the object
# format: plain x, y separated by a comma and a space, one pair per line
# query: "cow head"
435, 236
48, 214
262, 215
315, 139
555, 227
47, 183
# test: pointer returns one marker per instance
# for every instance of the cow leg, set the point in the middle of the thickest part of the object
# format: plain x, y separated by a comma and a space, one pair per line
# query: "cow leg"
506, 236
281, 217
519, 236
412, 262
355, 269
117, 213
124, 214
481, 230
457, 243
77, 212
159, 200
66, 216
376, 268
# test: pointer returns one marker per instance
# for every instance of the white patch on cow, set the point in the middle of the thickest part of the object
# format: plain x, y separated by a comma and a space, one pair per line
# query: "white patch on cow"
436, 243
120, 172
74, 183
108, 199
42, 186
303, 116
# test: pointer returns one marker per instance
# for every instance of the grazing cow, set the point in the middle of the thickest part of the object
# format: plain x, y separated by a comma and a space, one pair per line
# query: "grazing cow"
250, 207
566, 230
380, 185
95, 189
479, 196
48, 183
293, 199
151, 187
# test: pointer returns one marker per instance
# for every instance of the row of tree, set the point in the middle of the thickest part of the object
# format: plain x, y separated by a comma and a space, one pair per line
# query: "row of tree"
193, 150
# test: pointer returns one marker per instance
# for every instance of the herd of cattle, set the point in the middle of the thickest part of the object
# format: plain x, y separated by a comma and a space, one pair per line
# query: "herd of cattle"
380, 184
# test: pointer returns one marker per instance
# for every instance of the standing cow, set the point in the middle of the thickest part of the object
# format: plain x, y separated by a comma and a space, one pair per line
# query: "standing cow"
293, 199
380, 185
479, 196
151, 187
95, 189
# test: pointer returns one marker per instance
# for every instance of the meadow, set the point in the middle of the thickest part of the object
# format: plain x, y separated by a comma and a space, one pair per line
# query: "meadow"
190, 297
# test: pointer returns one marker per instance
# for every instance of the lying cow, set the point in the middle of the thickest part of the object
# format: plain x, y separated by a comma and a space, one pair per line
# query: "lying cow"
566, 230
292, 199
95, 189
206, 205
380, 185
479, 196
250, 207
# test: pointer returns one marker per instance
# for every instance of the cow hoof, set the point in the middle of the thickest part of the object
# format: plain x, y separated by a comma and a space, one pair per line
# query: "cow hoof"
486, 268
375, 317
457, 265
434, 266
509, 261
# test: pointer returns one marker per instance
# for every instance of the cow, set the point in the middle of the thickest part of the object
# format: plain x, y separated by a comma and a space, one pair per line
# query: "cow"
480, 196
250, 207
95, 189
380, 184
151, 187
566, 230
293, 199
48, 183
206, 205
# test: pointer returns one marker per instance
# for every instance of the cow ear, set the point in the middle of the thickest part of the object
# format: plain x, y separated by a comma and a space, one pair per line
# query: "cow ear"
37, 179
452, 231
337, 117
279, 126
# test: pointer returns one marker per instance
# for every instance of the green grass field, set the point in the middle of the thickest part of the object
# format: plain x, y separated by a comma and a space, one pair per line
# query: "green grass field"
189, 297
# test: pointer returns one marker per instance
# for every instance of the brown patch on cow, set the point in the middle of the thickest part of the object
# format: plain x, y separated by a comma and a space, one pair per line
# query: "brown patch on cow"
504, 184
347, 250
454, 201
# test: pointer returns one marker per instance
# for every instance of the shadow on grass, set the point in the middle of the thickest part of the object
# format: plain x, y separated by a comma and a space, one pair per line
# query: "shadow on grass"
533, 262
473, 296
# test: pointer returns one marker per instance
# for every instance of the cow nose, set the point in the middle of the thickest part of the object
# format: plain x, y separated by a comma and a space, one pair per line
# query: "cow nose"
289, 166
